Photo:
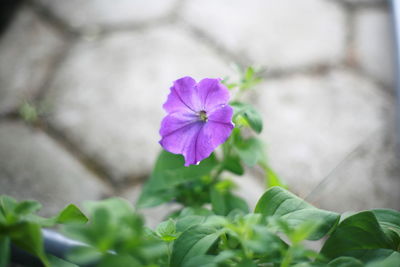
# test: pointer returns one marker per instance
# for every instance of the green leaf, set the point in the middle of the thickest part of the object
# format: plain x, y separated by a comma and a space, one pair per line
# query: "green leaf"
200, 211
232, 163
186, 222
225, 202
7, 207
83, 255
4, 251
57, 262
272, 178
250, 150
193, 242
115, 206
26, 207
345, 262
303, 231
69, 215
218, 202
264, 242
357, 232
370, 255
201, 260
119, 260
167, 231
389, 220
250, 78
246, 263
391, 261
282, 204
169, 172
28, 236
249, 114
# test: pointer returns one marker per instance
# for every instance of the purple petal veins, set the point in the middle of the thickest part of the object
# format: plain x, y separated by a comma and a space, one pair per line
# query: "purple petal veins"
199, 118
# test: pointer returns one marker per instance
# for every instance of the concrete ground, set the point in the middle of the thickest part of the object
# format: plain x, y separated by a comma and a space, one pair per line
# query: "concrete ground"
98, 72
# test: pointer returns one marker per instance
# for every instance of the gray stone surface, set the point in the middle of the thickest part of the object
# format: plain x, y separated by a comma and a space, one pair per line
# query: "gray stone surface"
369, 178
360, 2
27, 51
108, 95
33, 166
249, 186
313, 122
278, 34
374, 44
90, 13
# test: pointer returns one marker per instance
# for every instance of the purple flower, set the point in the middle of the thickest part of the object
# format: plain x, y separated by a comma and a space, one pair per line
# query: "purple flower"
199, 118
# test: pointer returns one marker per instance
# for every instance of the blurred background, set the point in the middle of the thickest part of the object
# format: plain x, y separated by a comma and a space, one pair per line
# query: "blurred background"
82, 83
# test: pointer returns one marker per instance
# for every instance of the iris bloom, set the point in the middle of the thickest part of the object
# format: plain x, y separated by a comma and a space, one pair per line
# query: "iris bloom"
199, 118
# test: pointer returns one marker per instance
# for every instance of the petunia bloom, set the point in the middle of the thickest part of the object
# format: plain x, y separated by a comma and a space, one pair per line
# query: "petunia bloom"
199, 118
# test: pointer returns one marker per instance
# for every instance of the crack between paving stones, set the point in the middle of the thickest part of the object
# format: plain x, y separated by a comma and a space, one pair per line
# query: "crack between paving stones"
130, 183
313, 70
98, 30
387, 90
54, 67
243, 61
372, 4
52, 20
168, 19
350, 59
323, 70
99, 170
204, 38
92, 166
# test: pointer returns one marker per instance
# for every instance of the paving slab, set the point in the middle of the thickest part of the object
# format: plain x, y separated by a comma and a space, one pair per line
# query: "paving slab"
369, 178
313, 122
100, 13
280, 35
374, 44
33, 166
107, 97
27, 52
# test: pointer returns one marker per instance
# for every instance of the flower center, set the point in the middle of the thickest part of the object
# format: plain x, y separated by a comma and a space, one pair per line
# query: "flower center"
203, 116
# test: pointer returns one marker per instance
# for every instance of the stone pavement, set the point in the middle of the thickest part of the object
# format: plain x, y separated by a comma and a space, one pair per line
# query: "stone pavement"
98, 72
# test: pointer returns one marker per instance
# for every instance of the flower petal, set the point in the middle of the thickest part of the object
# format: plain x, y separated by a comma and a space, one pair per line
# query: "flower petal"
222, 115
183, 96
183, 141
211, 135
175, 121
212, 93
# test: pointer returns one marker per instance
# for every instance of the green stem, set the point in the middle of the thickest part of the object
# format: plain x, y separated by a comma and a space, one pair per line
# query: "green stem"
226, 150
169, 251
287, 259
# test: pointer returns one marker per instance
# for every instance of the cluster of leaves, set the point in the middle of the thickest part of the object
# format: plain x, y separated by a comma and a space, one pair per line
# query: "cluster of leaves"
21, 226
115, 236
271, 235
